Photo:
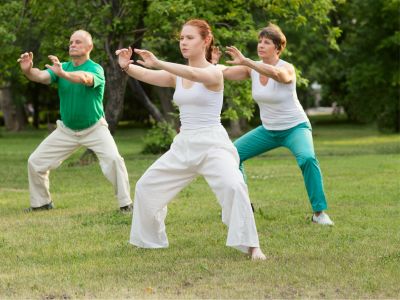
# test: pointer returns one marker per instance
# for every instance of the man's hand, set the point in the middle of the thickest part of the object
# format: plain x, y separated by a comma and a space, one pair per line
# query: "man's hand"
26, 62
124, 57
33, 74
56, 67
237, 57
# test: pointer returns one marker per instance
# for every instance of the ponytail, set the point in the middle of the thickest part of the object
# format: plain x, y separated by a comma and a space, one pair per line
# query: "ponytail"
209, 50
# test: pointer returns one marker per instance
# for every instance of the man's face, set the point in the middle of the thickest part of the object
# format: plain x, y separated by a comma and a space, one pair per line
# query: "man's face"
79, 45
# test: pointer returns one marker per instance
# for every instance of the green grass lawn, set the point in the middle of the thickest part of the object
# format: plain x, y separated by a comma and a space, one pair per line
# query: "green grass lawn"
81, 250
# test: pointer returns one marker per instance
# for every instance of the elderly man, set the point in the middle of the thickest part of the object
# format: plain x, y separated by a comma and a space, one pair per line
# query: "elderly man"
80, 88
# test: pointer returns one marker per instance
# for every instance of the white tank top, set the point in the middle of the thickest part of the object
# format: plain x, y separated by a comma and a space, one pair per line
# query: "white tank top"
199, 107
280, 108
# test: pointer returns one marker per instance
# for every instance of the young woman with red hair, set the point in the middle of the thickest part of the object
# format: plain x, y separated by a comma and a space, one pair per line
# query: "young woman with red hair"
202, 146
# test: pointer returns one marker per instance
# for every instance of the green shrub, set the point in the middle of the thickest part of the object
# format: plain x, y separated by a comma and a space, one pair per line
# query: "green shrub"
159, 138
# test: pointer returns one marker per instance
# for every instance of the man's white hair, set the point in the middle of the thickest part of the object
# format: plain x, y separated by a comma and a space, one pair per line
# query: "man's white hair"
85, 34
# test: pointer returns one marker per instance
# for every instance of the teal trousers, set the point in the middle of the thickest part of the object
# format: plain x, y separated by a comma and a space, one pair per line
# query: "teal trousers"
299, 141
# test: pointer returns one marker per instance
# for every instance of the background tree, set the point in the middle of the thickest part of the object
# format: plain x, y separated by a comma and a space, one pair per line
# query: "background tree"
364, 76
13, 22
353, 72
237, 23
112, 24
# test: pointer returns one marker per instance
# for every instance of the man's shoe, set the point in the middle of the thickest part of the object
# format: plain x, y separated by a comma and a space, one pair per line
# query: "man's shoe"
126, 209
322, 219
43, 207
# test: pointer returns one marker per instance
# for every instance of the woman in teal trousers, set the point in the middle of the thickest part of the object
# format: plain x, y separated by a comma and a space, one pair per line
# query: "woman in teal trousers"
284, 122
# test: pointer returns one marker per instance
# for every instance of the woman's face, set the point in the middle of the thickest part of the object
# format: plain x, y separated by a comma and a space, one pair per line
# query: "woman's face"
191, 43
266, 48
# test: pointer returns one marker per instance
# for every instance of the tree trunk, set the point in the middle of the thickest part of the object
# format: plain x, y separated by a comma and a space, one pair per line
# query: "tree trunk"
8, 108
235, 129
14, 114
165, 95
20, 117
88, 157
141, 95
114, 94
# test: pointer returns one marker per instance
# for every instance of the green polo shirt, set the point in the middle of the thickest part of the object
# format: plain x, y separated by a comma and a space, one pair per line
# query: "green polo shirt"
81, 106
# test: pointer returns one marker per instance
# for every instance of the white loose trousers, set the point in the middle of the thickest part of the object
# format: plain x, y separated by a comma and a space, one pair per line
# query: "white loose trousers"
60, 144
208, 152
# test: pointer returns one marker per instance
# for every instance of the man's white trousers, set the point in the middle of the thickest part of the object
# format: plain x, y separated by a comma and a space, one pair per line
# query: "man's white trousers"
60, 144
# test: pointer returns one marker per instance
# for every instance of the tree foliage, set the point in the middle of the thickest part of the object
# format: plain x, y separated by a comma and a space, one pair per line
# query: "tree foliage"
364, 76
237, 23
14, 22
351, 47
159, 138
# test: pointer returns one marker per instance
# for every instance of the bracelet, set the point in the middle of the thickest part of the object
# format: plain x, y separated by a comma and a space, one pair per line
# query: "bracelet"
125, 68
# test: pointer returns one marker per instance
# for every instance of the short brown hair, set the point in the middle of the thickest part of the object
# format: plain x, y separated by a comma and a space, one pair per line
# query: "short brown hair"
275, 34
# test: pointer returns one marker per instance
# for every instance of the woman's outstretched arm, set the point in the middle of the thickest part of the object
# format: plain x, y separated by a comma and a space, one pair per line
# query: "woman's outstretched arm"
206, 76
154, 77
284, 74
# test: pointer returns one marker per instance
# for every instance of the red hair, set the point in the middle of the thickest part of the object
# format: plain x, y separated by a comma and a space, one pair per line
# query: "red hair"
205, 31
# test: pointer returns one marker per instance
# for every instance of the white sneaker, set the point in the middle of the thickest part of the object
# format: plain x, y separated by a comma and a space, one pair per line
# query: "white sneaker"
322, 219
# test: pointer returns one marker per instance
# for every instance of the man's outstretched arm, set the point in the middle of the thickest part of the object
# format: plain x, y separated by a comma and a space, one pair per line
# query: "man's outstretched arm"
33, 74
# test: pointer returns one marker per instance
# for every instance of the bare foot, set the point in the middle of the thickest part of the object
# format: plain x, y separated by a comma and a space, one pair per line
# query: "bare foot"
256, 254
